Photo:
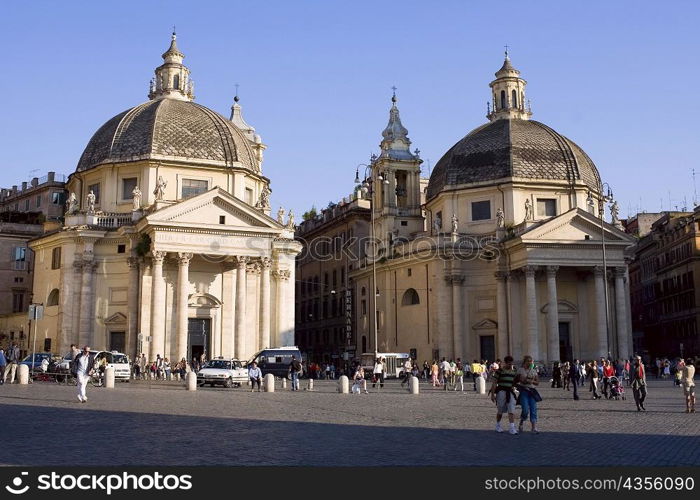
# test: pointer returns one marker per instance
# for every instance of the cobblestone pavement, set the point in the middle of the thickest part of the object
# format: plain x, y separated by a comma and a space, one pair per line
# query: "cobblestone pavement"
159, 423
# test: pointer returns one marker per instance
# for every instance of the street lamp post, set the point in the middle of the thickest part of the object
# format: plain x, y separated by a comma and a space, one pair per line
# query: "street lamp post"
604, 198
368, 188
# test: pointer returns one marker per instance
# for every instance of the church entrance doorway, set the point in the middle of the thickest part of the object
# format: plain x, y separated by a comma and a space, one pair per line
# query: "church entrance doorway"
117, 341
198, 338
488, 347
565, 349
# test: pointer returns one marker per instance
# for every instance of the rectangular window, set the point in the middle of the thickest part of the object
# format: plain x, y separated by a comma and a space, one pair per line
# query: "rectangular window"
193, 187
19, 256
121, 248
222, 219
95, 188
17, 302
249, 196
409, 271
57, 198
38, 201
26, 205
481, 210
364, 308
128, 186
56, 258
546, 207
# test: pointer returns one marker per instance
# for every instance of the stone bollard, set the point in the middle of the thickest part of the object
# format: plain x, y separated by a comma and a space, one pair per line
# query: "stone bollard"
284, 382
480, 385
310, 387
109, 377
344, 385
269, 383
191, 378
413, 385
23, 374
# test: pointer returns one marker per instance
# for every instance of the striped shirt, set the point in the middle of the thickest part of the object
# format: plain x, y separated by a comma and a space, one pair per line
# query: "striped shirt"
505, 378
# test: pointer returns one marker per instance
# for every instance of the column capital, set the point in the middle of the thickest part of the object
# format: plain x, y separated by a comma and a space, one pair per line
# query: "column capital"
552, 271
502, 275
89, 266
265, 263
240, 261
598, 271
530, 271
282, 274
183, 258
254, 268
620, 272
132, 262
78, 264
158, 256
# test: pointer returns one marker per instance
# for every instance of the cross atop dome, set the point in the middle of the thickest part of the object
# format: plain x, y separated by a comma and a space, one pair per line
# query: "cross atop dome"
172, 79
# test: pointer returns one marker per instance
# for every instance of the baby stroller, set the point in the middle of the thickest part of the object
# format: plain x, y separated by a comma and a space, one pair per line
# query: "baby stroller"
616, 390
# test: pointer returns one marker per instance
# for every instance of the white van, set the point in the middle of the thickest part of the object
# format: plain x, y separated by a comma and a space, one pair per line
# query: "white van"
393, 362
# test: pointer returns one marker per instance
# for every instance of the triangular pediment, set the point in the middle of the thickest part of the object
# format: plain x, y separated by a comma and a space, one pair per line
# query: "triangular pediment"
485, 324
575, 225
213, 208
116, 318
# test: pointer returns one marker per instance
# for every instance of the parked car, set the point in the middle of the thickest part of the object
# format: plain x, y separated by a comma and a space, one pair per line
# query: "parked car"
34, 361
119, 361
219, 371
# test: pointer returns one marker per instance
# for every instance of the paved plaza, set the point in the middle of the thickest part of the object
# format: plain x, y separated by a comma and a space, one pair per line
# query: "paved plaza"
156, 423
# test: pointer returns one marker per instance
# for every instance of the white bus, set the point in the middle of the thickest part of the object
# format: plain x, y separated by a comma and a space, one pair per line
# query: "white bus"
393, 361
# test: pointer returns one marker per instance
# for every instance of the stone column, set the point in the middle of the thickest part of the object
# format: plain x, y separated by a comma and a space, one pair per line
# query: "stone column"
552, 315
133, 311
457, 325
282, 334
87, 300
532, 343
157, 305
502, 314
265, 263
601, 330
444, 342
241, 291
623, 350
182, 296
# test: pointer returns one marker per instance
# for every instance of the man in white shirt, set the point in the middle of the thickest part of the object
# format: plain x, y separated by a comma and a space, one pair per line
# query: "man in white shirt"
83, 367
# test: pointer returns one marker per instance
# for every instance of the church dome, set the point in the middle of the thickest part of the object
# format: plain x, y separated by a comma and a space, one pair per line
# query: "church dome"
169, 129
503, 148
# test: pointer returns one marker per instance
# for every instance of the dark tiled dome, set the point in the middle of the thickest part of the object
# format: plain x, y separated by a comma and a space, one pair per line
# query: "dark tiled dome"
168, 129
525, 149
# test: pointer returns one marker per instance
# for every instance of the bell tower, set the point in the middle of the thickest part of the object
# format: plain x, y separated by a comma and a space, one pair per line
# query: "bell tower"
396, 179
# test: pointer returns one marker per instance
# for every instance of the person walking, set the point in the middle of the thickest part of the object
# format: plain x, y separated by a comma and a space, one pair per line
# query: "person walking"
407, 369
688, 383
556, 375
565, 378
639, 383
12, 359
378, 373
459, 375
503, 394
445, 372
527, 381
574, 376
434, 372
608, 373
3, 364
255, 376
593, 377
295, 372
83, 368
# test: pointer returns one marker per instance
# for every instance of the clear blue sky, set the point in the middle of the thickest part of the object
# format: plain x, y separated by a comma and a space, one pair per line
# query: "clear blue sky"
618, 78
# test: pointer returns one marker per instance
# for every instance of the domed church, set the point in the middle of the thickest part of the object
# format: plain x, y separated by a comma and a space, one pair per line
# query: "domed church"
509, 253
168, 247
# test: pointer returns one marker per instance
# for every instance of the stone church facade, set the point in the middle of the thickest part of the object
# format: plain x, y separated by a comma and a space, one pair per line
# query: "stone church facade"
510, 254
168, 247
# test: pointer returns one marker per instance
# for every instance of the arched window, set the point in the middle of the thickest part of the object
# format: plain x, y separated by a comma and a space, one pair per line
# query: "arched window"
410, 298
176, 82
53, 298
363, 292
503, 99
514, 102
